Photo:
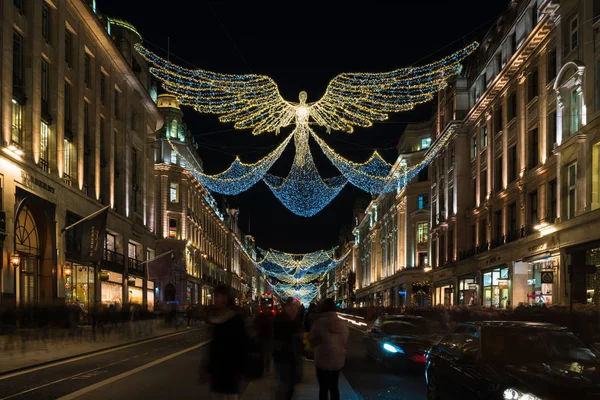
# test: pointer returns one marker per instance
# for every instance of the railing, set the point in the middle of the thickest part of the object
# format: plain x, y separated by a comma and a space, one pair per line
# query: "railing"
67, 179
113, 257
135, 265
44, 165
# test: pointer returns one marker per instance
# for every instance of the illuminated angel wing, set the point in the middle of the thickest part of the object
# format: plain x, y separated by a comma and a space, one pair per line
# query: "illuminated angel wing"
249, 101
358, 99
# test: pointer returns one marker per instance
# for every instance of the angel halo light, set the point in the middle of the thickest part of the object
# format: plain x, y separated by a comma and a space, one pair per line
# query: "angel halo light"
351, 100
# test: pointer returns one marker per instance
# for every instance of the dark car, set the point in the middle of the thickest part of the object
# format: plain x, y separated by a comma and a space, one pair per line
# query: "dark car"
512, 361
401, 341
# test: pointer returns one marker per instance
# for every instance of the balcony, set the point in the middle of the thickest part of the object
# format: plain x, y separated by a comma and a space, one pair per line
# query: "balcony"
113, 261
135, 266
44, 165
68, 179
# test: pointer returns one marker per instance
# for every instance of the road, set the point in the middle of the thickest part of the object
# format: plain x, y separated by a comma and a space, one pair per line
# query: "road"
375, 382
168, 367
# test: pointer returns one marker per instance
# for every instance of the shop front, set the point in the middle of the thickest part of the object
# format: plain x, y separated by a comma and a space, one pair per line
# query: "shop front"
80, 286
111, 288
540, 281
150, 296
444, 293
468, 290
496, 287
135, 287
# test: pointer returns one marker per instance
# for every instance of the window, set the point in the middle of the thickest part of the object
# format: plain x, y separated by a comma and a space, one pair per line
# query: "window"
422, 232
44, 136
67, 150
551, 132
172, 228
423, 201
17, 123
473, 236
512, 218
103, 89
572, 190
67, 107
174, 129
46, 22
534, 148
132, 251
534, 16
498, 174
68, 47
174, 192
513, 42
45, 89
473, 146
498, 225
18, 64
483, 233
87, 70
173, 157
532, 85
133, 120
451, 200
20, 5
512, 164
110, 242
474, 194
533, 208
423, 175
497, 119
574, 111
117, 104
552, 196
483, 187
484, 137
552, 65
512, 106
450, 245
425, 143
574, 33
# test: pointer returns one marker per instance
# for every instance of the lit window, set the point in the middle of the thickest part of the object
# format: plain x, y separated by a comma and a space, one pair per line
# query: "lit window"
132, 251
484, 137
425, 143
173, 157
423, 201
44, 133
574, 111
17, 123
422, 232
174, 192
172, 228
67, 157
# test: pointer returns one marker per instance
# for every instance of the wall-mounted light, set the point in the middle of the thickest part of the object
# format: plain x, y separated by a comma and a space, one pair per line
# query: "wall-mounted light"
15, 260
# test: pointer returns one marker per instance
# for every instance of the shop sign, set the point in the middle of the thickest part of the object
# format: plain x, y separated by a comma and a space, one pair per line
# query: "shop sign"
547, 276
503, 283
30, 181
539, 247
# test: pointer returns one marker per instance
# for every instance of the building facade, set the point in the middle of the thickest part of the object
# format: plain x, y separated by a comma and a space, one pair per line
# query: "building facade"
527, 112
208, 247
77, 123
392, 236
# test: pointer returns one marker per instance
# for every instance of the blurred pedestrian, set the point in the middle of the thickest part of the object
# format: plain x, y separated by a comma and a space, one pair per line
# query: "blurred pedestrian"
285, 333
189, 313
263, 326
307, 325
329, 337
228, 348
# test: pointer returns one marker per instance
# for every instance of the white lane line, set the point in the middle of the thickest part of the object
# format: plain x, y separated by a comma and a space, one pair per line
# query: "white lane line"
108, 381
33, 369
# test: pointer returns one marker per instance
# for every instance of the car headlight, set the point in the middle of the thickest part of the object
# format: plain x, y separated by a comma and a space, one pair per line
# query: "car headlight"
391, 348
514, 394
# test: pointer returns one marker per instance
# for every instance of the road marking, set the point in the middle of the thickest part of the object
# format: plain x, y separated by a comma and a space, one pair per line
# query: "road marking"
357, 329
75, 358
108, 381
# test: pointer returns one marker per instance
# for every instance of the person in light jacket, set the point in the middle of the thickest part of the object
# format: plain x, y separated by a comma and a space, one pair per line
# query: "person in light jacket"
329, 338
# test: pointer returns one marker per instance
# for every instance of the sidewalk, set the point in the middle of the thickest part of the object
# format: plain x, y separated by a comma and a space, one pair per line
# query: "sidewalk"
308, 389
61, 345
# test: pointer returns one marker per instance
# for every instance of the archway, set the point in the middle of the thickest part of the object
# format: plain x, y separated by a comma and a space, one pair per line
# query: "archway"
169, 292
27, 245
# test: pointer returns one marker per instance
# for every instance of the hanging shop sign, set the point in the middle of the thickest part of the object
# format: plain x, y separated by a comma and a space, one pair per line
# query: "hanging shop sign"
547, 276
503, 283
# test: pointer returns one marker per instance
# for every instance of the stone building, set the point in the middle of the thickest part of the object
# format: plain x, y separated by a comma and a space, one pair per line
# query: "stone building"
77, 127
392, 236
527, 196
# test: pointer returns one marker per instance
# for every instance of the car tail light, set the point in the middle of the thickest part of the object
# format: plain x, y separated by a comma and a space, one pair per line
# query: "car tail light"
273, 311
418, 358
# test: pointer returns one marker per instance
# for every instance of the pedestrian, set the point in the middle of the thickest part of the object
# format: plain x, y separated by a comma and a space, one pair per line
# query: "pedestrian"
189, 312
285, 333
329, 337
307, 325
228, 348
263, 326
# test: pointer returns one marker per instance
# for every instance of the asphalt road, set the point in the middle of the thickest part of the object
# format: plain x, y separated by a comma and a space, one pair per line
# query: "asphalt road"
375, 382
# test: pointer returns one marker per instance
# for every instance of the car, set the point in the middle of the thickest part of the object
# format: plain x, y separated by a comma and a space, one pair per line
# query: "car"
512, 361
400, 341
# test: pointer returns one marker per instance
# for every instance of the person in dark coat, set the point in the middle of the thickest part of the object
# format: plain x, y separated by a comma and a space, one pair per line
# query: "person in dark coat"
227, 350
285, 350
263, 326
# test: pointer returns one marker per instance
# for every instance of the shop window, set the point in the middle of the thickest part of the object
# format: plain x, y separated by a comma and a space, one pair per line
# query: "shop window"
422, 232
423, 201
534, 148
540, 282
80, 287
467, 291
17, 123
495, 288
473, 146
174, 192
172, 228
572, 190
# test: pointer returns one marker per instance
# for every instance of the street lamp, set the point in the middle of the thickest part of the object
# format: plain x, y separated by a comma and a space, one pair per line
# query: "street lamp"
15, 260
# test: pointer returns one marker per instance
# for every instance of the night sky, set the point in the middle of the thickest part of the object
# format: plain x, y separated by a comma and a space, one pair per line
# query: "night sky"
302, 46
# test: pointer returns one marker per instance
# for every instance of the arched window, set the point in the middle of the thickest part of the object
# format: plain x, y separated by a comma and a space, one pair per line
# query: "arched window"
571, 112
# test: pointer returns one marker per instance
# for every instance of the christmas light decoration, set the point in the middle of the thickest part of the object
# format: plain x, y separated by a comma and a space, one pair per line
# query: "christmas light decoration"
304, 293
352, 99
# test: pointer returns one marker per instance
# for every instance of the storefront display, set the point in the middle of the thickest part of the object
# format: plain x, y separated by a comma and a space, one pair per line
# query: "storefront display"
136, 292
540, 282
111, 288
496, 288
79, 286
468, 291
444, 295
